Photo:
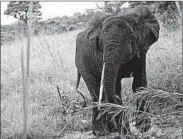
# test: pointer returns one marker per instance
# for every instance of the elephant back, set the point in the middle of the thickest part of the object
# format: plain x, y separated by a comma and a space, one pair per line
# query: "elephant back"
140, 10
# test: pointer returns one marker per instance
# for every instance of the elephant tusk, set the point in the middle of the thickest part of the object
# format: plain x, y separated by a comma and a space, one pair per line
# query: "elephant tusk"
101, 86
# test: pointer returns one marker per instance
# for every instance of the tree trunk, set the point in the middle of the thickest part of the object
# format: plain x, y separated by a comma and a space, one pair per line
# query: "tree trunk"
178, 8
178, 5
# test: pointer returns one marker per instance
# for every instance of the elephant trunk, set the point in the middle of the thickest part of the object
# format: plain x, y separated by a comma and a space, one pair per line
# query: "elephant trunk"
114, 56
112, 59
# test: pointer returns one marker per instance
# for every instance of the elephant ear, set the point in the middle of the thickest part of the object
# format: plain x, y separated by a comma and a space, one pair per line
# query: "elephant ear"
151, 26
95, 27
154, 28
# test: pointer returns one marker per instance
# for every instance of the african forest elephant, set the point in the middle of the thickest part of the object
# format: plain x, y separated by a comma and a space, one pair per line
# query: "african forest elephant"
120, 42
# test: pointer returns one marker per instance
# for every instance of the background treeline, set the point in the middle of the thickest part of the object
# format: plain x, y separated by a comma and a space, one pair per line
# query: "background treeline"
50, 26
168, 12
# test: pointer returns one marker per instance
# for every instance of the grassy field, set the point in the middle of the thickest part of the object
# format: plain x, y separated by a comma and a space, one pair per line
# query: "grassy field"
52, 63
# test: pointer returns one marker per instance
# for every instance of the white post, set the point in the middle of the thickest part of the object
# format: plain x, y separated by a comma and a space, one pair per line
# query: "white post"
25, 74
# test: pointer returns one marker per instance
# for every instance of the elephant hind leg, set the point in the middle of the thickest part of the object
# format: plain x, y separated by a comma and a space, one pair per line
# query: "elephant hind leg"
76, 88
99, 126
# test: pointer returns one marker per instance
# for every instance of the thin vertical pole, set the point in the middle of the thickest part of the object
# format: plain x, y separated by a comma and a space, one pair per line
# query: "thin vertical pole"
25, 73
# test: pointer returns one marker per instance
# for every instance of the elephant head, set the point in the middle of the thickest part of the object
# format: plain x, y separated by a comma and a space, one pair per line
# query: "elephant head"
121, 37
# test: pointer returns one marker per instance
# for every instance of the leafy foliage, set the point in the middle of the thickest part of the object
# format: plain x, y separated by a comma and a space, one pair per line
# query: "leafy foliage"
50, 26
112, 7
19, 9
165, 11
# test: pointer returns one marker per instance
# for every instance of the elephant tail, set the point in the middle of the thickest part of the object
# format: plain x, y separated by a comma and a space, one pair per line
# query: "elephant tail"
76, 87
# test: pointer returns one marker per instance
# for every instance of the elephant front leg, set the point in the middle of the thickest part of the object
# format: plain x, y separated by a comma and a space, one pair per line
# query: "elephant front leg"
99, 126
143, 124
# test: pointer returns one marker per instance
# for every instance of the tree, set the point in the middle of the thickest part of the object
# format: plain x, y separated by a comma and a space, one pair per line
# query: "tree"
111, 7
160, 6
77, 17
89, 13
19, 10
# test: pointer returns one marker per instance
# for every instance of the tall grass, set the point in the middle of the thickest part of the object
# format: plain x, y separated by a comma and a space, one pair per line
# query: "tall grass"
52, 64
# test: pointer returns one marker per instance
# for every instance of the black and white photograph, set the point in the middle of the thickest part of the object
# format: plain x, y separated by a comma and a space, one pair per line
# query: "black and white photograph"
91, 70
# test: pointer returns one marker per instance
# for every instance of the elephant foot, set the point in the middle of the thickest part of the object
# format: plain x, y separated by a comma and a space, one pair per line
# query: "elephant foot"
113, 129
112, 126
100, 129
127, 134
143, 125
100, 132
105, 130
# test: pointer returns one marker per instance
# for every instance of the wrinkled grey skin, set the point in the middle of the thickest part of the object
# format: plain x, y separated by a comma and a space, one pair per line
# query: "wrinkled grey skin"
121, 41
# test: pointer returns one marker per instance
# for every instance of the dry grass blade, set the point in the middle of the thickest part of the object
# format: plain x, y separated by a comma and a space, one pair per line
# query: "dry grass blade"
58, 90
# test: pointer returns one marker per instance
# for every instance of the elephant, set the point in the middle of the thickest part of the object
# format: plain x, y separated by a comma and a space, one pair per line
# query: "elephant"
120, 42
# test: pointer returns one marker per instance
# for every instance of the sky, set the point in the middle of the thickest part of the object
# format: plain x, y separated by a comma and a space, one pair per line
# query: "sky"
53, 9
